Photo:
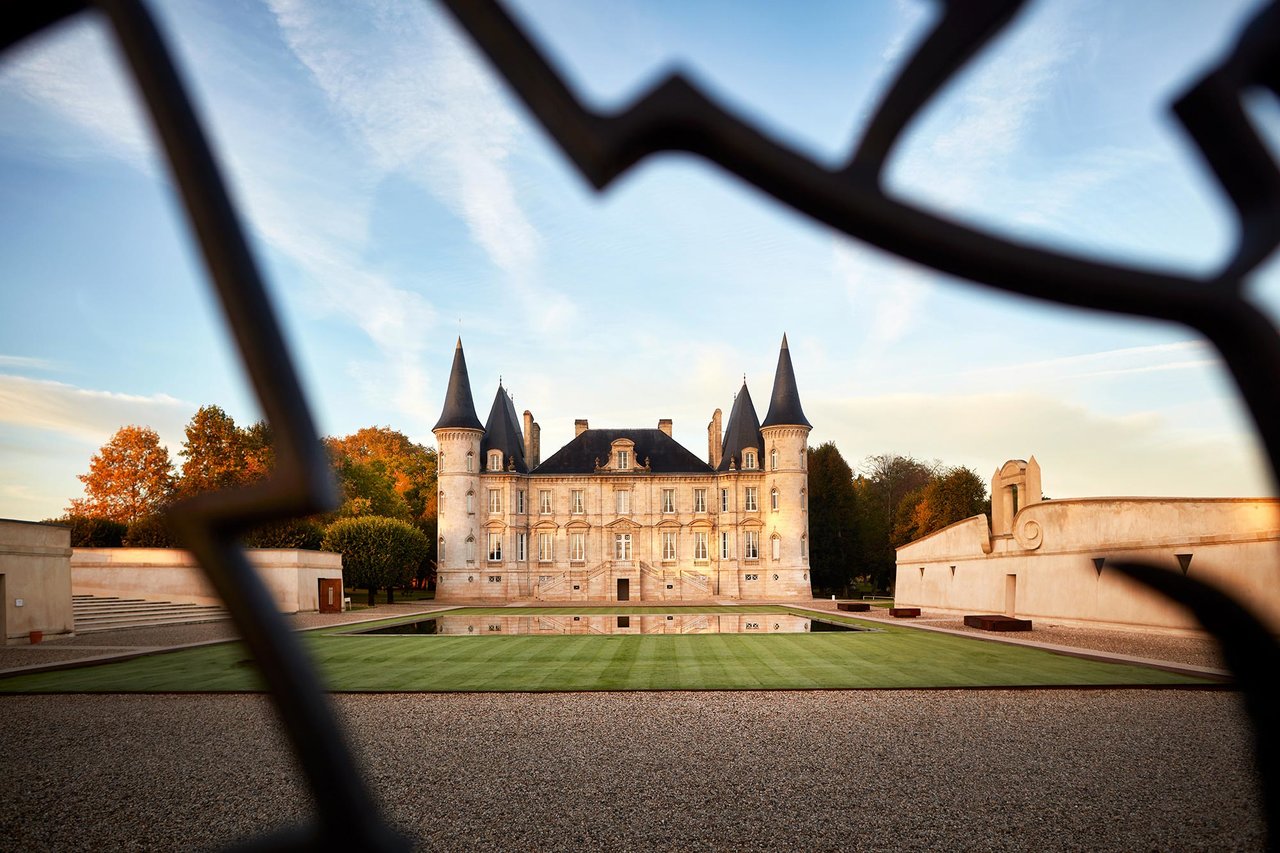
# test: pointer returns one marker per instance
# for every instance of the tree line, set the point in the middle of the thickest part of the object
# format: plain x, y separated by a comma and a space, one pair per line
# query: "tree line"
857, 522
385, 526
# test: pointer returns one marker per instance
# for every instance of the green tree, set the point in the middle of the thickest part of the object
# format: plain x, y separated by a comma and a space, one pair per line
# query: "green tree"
376, 552
88, 532
214, 452
129, 477
409, 468
833, 536
887, 481
953, 495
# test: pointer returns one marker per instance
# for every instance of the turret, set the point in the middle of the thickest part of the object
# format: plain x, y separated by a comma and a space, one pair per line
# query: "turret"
458, 436
785, 434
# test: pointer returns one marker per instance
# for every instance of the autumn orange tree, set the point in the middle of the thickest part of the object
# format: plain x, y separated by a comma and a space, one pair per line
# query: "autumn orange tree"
130, 477
214, 453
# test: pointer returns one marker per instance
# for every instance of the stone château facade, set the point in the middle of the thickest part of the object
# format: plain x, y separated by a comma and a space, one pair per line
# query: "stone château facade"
623, 514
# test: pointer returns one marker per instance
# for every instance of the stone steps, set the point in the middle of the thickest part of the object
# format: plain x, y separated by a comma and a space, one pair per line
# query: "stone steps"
102, 613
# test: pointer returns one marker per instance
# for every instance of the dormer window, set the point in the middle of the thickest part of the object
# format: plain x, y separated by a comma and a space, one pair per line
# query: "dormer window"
495, 460
748, 460
622, 460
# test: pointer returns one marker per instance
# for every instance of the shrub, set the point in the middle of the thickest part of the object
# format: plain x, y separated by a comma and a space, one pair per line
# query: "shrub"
290, 533
90, 532
376, 551
150, 531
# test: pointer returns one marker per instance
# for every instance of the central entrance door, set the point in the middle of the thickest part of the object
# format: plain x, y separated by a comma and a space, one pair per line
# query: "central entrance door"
624, 589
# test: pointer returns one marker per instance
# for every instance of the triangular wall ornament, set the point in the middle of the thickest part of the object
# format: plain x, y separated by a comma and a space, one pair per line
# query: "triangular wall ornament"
1184, 562
922, 572
1098, 563
953, 571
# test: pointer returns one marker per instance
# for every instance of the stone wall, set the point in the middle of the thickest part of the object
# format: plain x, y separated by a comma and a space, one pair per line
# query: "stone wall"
34, 570
1053, 565
172, 574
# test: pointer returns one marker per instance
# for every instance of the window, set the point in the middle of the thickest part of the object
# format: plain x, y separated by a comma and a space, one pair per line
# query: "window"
699, 500
749, 499
700, 545
495, 579
495, 547
748, 459
668, 500
471, 549
623, 460
804, 547
578, 547
804, 499
622, 546
753, 544
668, 545
440, 550
577, 505
546, 547
522, 546
726, 546
495, 500
495, 460
624, 502
773, 499
471, 462
544, 501
776, 547
724, 500
773, 459
471, 503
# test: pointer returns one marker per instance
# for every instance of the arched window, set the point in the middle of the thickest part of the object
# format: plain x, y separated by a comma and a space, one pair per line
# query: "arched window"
804, 499
471, 503
495, 460
471, 549
749, 459
471, 461
775, 543
773, 459
804, 547
773, 499
440, 550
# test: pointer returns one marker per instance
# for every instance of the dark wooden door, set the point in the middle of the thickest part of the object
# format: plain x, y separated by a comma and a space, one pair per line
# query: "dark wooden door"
624, 589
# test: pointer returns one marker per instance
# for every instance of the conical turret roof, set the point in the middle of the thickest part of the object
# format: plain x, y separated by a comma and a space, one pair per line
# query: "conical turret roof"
502, 432
743, 430
459, 410
784, 406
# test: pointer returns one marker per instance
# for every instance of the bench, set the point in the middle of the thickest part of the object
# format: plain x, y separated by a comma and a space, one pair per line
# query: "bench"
993, 622
853, 606
904, 612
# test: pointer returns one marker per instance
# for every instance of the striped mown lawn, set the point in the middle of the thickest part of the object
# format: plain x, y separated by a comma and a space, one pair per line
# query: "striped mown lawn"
888, 657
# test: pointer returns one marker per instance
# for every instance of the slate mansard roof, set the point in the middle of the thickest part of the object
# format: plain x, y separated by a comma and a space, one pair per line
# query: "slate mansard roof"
665, 454
459, 410
502, 432
784, 406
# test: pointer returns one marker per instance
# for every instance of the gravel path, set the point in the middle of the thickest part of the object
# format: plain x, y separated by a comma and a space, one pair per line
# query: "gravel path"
982, 770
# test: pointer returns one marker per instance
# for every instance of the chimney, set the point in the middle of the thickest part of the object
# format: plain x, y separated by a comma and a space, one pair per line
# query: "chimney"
537, 445
579, 427
528, 438
665, 425
713, 440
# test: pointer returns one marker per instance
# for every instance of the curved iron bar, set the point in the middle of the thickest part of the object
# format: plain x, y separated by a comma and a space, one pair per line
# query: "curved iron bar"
302, 484
1251, 653
677, 116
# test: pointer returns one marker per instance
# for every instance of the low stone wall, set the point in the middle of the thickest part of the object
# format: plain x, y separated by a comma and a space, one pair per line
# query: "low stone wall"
35, 570
170, 574
1047, 567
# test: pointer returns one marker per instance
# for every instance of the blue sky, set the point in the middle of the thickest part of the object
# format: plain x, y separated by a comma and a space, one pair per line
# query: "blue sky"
397, 196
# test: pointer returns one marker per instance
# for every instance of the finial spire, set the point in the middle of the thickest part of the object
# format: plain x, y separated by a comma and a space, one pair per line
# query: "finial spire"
784, 406
459, 410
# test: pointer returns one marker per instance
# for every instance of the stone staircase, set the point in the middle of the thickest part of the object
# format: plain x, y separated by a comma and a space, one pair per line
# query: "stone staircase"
99, 613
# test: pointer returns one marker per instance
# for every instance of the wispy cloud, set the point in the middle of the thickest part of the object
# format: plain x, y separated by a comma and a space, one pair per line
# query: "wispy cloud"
1180, 355
22, 362
88, 415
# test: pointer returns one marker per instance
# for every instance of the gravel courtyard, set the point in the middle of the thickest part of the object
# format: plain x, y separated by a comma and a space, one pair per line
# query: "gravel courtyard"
968, 770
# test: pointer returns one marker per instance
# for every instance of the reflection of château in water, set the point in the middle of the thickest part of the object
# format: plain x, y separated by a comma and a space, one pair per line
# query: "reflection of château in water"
685, 623
623, 514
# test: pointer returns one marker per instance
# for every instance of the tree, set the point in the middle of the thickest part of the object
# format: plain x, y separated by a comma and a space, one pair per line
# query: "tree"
833, 536
954, 495
409, 468
214, 450
886, 483
259, 450
88, 532
376, 551
129, 477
